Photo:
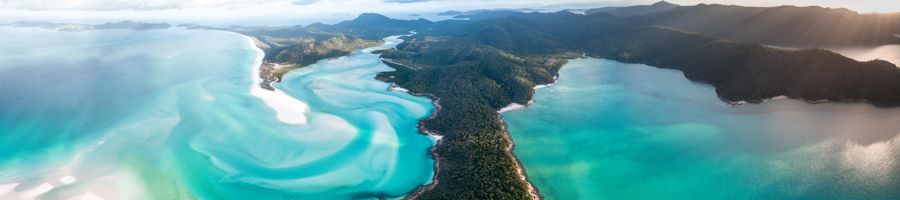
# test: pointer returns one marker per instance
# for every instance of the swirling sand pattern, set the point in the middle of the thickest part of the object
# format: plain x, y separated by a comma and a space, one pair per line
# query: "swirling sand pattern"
168, 115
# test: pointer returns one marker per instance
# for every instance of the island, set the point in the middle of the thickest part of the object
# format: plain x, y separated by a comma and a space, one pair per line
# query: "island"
475, 68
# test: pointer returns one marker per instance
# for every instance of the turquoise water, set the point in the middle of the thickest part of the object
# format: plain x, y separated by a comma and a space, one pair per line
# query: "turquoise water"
608, 130
168, 114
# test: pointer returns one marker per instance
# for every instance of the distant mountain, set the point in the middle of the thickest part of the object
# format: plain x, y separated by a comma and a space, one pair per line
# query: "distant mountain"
375, 26
634, 10
488, 14
465, 14
127, 25
376, 21
131, 25
51, 25
782, 26
451, 13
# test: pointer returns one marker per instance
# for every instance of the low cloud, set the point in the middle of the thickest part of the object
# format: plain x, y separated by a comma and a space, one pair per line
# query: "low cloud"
304, 2
407, 1
106, 5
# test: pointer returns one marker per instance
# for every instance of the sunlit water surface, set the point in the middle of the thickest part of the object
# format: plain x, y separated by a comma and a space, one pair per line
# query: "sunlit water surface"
890, 53
168, 114
608, 130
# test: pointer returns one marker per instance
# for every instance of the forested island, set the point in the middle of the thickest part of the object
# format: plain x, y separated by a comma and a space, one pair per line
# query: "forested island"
478, 66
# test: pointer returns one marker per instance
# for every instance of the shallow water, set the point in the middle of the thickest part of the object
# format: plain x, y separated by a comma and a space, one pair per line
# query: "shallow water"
608, 130
168, 114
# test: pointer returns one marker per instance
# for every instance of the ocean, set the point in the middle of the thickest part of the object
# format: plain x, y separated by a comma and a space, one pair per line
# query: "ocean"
169, 114
608, 130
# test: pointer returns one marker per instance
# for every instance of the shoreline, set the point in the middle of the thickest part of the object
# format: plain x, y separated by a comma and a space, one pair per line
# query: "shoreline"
431, 151
264, 67
517, 106
263, 89
287, 109
784, 97
520, 168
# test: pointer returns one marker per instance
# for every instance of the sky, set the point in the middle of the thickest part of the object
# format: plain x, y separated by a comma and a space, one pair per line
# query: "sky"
291, 12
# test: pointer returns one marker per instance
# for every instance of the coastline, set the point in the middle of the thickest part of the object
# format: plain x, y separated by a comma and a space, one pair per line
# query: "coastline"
263, 90
520, 169
433, 150
287, 109
784, 97
516, 106
435, 101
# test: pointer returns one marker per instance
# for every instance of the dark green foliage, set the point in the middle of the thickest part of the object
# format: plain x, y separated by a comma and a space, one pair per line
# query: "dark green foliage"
309, 51
783, 25
299, 46
747, 72
477, 67
375, 26
472, 82
634, 10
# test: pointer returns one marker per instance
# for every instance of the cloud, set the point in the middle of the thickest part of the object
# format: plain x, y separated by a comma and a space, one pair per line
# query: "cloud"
407, 1
108, 5
125, 4
304, 2
308, 11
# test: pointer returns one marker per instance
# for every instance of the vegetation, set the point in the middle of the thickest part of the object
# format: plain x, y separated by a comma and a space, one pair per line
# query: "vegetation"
298, 46
374, 26
783, 26
477, 67
749, 72
472, 82
634, 10
308, 51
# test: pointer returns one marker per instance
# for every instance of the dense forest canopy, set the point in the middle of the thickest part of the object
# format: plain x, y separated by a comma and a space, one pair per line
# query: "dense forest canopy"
477, 66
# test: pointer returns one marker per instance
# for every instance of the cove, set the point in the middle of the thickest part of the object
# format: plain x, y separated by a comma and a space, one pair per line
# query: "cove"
169, 114
608, 130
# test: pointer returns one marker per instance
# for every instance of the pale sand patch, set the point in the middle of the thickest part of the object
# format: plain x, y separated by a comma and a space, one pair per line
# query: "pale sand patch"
287, 109
87, 196
67, 180
41, 189
7, 188
510, 107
